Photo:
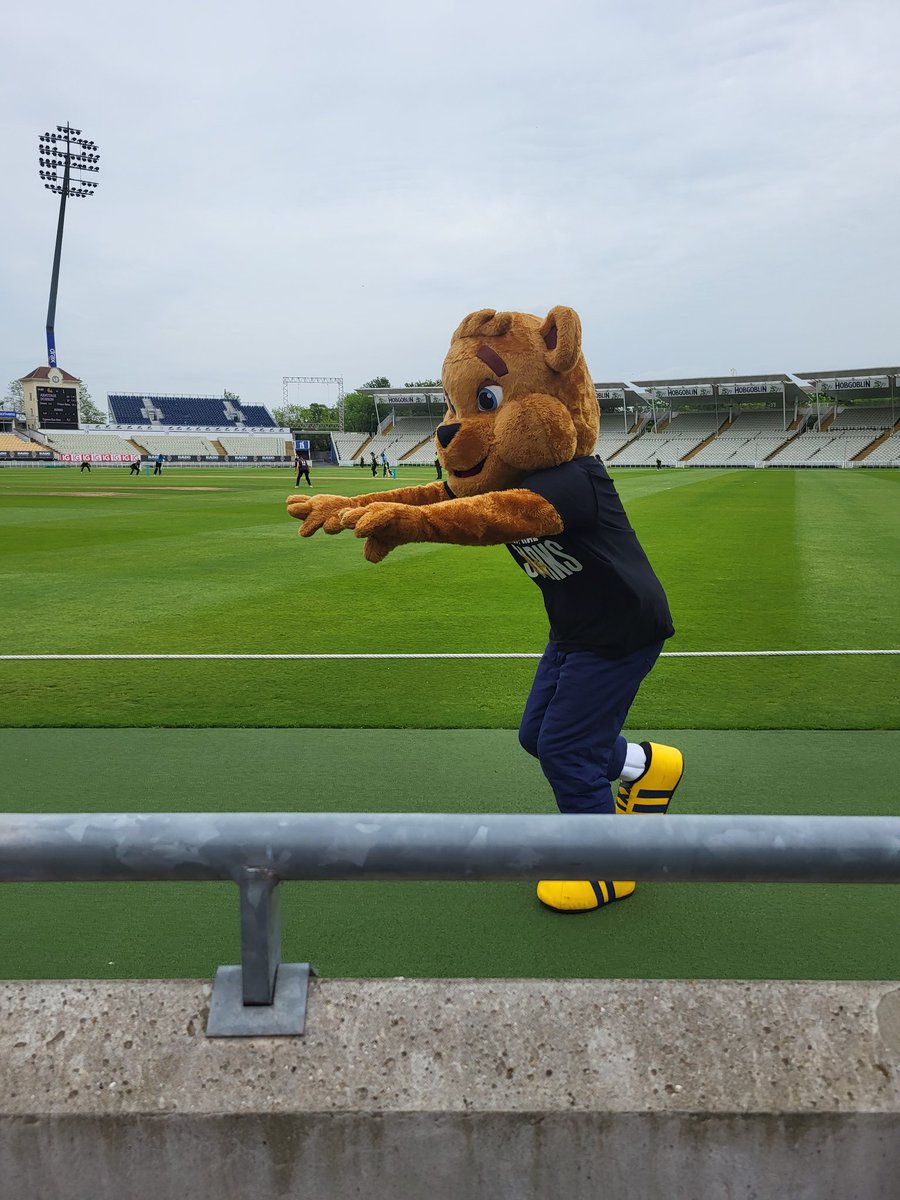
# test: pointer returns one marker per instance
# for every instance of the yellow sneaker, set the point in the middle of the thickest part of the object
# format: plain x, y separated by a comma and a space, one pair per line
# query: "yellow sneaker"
581, 896
652, 791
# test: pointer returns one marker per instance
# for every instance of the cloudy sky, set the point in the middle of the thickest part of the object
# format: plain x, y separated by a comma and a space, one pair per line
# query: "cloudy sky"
325, 190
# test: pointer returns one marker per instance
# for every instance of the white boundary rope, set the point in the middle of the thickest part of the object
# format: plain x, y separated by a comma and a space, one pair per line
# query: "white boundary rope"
473, 655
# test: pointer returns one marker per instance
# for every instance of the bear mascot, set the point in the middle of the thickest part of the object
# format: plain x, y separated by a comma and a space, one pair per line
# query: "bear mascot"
517, 445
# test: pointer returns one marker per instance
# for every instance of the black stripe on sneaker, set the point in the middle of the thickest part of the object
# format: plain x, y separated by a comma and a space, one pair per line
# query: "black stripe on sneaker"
650, 808
601, 900
650, 794
610, 889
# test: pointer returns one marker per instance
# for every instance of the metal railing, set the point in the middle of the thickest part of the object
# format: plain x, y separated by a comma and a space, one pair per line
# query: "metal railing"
257, 851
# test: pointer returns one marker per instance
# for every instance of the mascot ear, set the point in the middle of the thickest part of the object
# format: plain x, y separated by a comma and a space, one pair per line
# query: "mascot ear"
487, 322
561, 332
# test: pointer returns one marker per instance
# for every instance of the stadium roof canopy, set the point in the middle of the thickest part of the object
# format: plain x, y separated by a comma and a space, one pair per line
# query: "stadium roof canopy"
713, 380
700, 390
616, 394
862, 373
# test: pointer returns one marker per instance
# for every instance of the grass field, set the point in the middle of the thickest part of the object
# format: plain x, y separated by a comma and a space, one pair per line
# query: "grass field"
205, 562
750, 559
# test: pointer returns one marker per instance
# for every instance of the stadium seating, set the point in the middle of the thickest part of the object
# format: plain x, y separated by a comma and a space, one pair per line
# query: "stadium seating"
423, 456
737, 451
234, 444
348, 447
207, 411
608, 444
195, 411
16, 445
756, 422
885, 455
820, 449
702, 424
865, 417
88, 443
257, 417
176, 443
126, 410
643, 451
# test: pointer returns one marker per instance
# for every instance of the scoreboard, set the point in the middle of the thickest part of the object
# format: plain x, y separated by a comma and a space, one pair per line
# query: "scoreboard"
57, 408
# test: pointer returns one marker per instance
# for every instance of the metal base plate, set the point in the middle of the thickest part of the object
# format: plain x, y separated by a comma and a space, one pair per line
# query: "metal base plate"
285, 1016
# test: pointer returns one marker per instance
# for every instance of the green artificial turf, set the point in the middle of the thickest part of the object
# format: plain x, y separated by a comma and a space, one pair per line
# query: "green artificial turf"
750, 560
150, 930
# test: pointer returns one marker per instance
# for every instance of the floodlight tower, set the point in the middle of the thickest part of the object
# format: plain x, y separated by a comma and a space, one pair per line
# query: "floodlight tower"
65, 151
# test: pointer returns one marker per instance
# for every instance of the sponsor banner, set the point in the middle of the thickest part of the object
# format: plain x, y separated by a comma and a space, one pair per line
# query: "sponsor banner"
760, 387
860, 384
25, 454
410, 398
8, 414
119, 458
683, 392
610, 393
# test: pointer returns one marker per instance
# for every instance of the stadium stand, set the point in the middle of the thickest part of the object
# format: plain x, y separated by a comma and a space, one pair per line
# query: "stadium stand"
864, 417
737, 451
820, 449
88, 443
701, 424
126, 410
885, 455
392, 443
177, 443
755, 422
348, 447
11, 443
609, 444
422, 456
418, 427
234, 444
257, 417
646, 449
193, 411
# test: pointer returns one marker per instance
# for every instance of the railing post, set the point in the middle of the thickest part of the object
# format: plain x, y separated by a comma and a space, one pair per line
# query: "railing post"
263, 997
260, 935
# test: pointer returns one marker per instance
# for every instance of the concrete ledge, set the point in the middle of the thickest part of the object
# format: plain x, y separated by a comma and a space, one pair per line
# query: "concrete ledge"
453, 1088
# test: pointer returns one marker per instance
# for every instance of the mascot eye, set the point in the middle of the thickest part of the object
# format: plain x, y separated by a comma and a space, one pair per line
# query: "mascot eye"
490, 398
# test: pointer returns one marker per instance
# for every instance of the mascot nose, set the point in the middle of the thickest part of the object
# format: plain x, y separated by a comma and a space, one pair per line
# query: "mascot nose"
446, 434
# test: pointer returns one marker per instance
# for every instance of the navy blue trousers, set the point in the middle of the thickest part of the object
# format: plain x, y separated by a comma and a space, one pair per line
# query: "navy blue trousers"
573, 721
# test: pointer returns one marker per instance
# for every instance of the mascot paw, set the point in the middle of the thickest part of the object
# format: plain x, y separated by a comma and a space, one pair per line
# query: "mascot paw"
581, 895
393, 522
384, 526
315, 511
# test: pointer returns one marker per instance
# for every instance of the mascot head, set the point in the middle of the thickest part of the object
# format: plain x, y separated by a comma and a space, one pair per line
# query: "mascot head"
519, 399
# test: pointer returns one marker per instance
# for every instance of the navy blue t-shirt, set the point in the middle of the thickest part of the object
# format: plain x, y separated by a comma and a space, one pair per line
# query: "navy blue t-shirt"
599, 589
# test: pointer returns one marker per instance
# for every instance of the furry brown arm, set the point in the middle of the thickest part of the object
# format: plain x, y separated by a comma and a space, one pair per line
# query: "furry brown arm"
318, 511
488, 520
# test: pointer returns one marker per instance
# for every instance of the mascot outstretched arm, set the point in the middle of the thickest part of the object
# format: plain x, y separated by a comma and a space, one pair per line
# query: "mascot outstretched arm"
519, 400
517, 443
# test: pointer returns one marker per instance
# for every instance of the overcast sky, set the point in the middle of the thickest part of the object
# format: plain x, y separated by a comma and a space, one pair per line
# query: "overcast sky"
327, 189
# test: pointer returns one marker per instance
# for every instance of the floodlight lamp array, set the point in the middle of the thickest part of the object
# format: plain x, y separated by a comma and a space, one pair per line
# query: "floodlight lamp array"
78, 154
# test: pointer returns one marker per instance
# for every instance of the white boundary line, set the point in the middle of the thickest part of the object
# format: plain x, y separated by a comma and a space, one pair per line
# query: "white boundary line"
474, 655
